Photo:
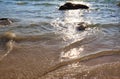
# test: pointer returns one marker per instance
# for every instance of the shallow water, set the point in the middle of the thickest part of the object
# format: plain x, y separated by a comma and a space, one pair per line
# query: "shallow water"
48, 45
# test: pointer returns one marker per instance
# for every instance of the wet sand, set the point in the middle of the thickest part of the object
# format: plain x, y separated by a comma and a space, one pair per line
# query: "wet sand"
34, 61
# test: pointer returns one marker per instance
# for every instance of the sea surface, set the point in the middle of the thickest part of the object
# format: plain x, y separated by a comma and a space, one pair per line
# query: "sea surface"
47, 44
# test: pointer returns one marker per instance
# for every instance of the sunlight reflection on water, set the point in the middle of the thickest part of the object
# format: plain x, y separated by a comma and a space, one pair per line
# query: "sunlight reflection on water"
72, 53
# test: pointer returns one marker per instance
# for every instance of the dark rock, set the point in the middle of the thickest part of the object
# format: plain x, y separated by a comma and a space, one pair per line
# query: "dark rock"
81, 26
118, 4
71, 6
5, 21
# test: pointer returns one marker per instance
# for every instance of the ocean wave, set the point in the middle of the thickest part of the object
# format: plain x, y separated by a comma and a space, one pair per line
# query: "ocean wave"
45, 4
21, 3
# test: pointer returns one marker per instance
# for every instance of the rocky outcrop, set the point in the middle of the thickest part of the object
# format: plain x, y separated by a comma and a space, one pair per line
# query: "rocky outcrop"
71, 6
5, 21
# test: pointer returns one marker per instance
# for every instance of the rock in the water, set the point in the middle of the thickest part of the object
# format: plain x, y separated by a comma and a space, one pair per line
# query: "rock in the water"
5, 21
6, 37
9, 35
71, 6
118, 4
81, 26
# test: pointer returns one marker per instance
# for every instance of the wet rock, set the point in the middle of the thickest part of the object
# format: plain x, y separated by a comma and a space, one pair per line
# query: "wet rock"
5, 21
6, 38
9, 35
71, 6
118, 4
81, 26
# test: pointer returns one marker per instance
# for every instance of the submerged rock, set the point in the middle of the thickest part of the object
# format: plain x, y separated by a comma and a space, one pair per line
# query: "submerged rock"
71, 6
5, 21
9, 35
81, 26
7, 38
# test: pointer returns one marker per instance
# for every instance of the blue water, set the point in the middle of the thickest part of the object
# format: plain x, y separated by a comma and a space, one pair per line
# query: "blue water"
45, 13
46, 10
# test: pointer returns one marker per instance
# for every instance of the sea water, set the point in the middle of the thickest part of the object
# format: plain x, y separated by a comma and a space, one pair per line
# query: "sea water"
47, 44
